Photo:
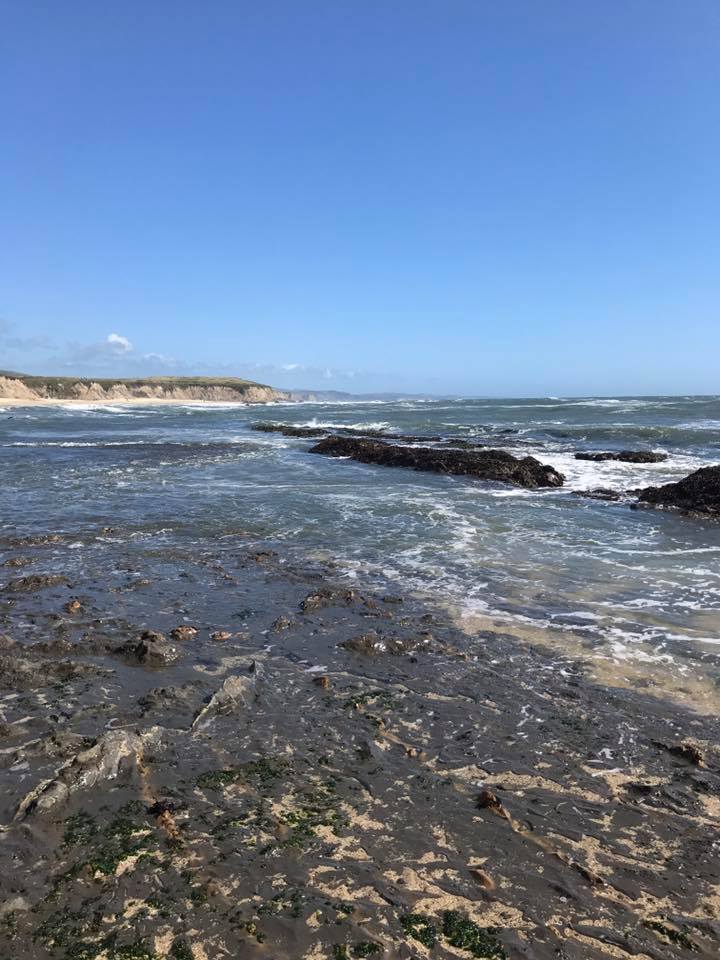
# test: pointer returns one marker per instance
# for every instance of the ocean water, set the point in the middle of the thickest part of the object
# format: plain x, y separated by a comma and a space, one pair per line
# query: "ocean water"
628, 584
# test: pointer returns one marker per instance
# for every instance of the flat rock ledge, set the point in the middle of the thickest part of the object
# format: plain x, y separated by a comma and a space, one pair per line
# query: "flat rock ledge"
625, 456
479, 464
697, 493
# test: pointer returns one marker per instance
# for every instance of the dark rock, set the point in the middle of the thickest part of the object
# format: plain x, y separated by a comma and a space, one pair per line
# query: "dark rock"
161, 807
220, 636
18, 562
287, 430
328, 598
73, 606
626, 456
480, 464
35, 581
599, 493
283, 623
372, 644
687, 750
697, 493
487, 800
38, 541
152, 650
183, 633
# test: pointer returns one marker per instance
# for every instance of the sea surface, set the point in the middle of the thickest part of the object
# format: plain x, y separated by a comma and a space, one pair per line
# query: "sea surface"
627, 585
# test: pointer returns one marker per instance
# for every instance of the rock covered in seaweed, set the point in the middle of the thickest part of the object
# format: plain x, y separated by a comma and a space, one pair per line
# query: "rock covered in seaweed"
480, 464
624, 456
697, 493
151, 650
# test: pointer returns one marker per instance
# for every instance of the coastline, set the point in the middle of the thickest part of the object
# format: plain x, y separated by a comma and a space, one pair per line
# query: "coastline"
134, 402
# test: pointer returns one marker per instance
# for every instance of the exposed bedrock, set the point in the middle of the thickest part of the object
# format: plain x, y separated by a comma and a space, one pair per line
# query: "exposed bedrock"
480, 464
697, 493
290, 430
626, 456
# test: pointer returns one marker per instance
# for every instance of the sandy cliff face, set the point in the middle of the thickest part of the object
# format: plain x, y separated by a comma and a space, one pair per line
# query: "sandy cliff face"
92, 391
16, 390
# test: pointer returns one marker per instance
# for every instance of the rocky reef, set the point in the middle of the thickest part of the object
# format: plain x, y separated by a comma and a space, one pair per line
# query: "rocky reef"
624, 456
479, 464
697, 493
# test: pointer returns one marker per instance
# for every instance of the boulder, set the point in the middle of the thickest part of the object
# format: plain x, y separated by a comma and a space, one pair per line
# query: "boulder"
625, 456
697, 493
600, 493
151, 650
373, 644
479, 464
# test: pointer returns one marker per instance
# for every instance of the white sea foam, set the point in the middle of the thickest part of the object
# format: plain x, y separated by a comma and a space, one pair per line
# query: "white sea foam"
333, 425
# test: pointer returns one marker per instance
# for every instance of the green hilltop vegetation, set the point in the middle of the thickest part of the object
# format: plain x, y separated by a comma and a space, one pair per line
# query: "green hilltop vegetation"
33, 381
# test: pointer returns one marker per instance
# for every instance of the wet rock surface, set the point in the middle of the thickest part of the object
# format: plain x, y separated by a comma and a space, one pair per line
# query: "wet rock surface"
600, 493
697, 493
494, 465
33, 582
624, 456
152, 650
355, 786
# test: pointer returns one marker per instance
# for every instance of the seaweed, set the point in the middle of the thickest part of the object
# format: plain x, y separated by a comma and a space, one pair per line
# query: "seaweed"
421, 928
677, 937
76, 934
80, 828
263, 772
180, 950
365, 948
465, 935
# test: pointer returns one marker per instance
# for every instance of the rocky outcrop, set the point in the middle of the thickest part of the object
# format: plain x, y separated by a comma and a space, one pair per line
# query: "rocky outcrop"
479, 464
290, 430
600, 493
151, 650
625, 456
230, 390
697, 493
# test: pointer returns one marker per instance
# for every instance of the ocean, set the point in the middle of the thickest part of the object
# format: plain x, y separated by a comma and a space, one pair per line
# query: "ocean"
627, 585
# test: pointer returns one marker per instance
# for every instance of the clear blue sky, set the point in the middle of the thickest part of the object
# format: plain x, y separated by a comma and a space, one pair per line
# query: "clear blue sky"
511, 197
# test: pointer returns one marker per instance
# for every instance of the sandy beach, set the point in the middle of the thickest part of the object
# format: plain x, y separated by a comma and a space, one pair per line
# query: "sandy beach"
10, 402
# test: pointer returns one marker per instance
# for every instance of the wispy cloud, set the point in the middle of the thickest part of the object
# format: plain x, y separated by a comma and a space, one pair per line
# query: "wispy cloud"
10, 341
116, 355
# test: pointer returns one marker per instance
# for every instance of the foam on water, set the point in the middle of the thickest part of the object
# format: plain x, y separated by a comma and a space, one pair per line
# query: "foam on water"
631, 582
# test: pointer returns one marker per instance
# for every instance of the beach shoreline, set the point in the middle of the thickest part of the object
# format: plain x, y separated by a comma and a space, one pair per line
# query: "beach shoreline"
133, 402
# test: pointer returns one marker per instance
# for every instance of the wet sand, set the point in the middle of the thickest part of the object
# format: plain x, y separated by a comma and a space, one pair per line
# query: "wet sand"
316, 772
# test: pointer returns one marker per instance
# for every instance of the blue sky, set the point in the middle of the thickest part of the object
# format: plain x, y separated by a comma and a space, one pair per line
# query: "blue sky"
512, 198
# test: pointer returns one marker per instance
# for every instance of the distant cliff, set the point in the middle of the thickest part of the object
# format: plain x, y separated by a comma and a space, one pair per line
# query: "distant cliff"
17, 386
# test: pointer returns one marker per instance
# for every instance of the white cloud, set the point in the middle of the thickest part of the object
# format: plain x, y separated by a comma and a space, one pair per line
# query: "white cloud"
119, 344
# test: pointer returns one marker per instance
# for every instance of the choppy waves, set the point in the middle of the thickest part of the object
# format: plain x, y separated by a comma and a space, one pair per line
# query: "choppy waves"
627, 583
